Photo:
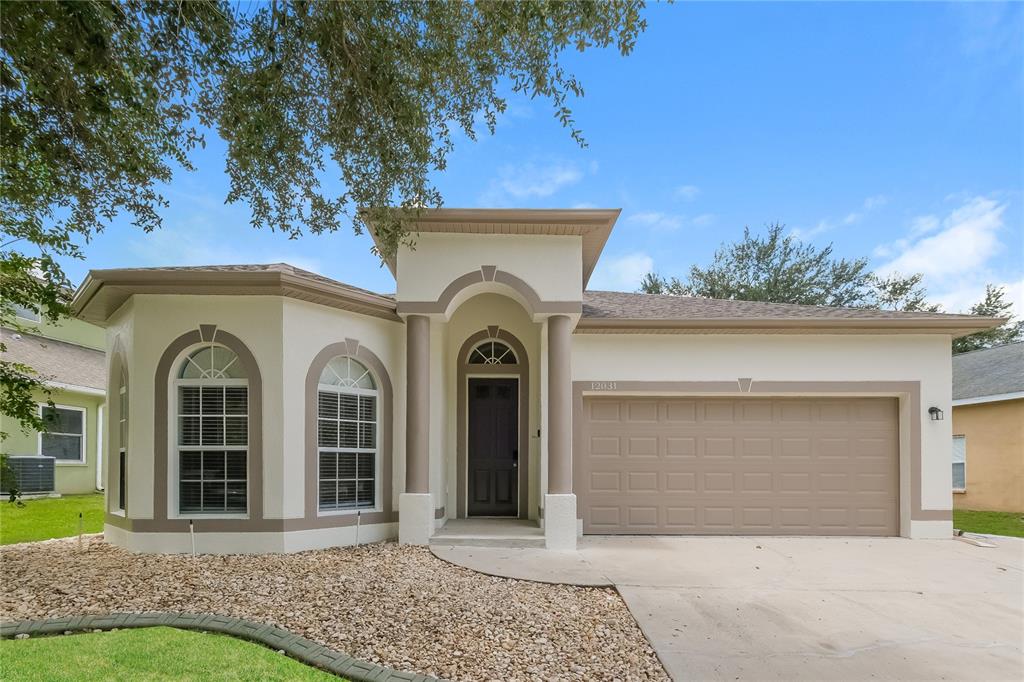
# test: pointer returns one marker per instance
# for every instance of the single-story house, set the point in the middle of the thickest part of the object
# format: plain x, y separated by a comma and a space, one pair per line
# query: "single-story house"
69, 356
273, 409
988, 429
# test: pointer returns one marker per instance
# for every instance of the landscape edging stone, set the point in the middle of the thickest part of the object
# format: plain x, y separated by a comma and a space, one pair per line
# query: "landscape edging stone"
299, 648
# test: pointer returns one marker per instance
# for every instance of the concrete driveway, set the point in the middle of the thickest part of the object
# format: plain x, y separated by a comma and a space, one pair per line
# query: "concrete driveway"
802, 608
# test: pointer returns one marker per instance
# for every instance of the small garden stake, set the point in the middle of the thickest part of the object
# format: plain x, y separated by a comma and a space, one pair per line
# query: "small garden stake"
192, 537
358, 515
80, 530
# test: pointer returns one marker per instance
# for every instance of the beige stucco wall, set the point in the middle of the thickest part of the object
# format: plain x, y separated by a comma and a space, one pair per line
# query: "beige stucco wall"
473, 316
551, 265
995, 455
307, 329
148, 326
727, 357
284, 335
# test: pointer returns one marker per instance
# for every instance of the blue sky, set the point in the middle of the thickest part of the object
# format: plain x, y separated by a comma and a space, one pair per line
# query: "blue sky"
894, 131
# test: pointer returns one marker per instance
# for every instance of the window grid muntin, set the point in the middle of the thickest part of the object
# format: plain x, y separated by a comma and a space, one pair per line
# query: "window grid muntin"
228, 368
236, 486
492, 352
79, 436
332, 453
356, 375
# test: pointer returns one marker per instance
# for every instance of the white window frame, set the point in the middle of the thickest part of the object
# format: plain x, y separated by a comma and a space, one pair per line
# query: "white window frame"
964, 439
83, 461
173, 415
378, 487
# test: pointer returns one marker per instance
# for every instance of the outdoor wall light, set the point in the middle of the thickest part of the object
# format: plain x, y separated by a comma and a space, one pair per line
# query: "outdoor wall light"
935, 413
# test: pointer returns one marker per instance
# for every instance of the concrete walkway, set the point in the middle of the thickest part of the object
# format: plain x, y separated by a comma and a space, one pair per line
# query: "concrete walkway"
801, 608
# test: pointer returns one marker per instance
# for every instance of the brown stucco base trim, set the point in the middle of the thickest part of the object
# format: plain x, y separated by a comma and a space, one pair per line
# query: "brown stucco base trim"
520, 370
905, 390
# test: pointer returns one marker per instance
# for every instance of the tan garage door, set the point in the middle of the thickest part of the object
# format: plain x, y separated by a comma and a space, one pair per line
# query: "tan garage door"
800, 466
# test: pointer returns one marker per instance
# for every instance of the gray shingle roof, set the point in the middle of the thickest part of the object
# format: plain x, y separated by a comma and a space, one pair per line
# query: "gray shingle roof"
992, 371
621, 305
58, 361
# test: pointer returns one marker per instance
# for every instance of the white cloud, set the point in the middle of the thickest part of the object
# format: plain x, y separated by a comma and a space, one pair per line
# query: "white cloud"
704, 219
968, 237
852, 218
876, 201
809, 232
657, 220
687, 192
960, 298
530, 181
622, 273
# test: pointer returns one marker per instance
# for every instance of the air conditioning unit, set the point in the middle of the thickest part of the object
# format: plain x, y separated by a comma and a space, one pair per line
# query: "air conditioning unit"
35, 474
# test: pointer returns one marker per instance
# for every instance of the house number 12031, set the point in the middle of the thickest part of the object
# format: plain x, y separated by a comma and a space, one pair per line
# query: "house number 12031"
602, 385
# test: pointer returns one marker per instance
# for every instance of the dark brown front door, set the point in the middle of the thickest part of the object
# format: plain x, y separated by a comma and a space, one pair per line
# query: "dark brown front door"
493, 447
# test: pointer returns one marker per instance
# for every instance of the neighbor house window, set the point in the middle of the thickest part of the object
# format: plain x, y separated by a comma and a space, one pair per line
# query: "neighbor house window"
64, 437
24, 313
212, 391
959, 463
347, 436
492, 353
122, 443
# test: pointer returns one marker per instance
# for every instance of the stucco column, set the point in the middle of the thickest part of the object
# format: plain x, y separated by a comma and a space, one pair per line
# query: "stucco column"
415, 507
560, 503
559, 405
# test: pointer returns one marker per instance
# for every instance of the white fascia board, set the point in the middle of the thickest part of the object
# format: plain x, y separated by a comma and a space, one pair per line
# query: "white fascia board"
1017, 395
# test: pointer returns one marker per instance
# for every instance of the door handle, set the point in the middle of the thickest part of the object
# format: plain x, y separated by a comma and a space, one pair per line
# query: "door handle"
515, 459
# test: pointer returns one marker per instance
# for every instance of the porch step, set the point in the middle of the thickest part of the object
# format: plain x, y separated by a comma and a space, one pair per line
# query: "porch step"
488, 533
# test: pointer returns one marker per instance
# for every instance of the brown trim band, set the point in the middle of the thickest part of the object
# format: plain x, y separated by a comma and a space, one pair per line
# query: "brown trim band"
352, 348
911, 390
489, 273
521, 370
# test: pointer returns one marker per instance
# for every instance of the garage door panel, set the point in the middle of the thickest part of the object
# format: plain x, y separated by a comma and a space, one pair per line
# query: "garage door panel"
748, 466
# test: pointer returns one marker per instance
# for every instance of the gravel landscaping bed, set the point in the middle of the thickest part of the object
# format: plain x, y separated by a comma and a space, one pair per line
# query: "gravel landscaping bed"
394, 605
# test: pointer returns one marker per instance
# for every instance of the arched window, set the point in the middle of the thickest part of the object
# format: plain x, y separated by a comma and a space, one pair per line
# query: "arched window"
213, 432
347, 436
122, 441
492, 353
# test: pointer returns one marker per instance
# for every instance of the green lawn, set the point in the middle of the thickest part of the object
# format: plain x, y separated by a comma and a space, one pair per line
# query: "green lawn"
994, 523
147, 654
49, 517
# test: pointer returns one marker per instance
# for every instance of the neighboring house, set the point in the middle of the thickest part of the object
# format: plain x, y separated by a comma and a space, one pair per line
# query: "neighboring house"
988, 429
273, 409
70, 358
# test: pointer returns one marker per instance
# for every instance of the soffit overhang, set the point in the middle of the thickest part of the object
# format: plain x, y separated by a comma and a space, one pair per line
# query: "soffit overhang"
592, 225
104, 291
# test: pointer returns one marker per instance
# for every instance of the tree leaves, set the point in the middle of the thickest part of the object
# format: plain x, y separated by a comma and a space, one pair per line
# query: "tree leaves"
332, 112
994, 304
